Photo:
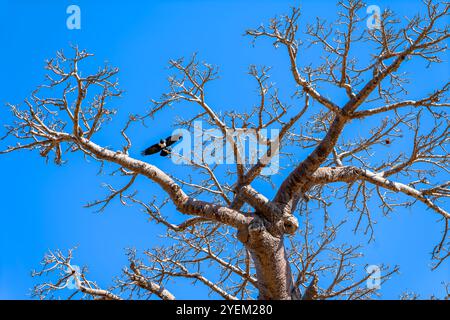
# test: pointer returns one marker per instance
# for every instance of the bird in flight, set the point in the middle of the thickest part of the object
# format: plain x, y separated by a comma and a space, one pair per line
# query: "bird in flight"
162, 146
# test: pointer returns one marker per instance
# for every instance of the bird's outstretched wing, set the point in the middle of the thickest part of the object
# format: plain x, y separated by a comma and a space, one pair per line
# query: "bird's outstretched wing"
152, 150
170, 140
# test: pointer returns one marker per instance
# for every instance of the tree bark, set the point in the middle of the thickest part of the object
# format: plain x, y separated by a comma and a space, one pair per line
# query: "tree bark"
274, 277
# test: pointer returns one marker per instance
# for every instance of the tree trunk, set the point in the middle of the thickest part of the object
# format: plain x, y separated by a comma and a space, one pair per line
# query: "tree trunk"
273, 272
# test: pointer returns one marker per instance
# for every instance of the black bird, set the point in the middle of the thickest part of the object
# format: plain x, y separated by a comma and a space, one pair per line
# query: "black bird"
163, 146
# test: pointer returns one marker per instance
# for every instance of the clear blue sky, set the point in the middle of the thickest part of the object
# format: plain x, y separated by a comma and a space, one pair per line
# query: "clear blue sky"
42, 204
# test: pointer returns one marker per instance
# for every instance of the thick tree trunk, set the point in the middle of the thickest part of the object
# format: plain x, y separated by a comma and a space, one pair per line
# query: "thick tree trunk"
273, 272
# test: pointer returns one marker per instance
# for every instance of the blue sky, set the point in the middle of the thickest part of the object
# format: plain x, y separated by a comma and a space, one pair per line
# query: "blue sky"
42, 204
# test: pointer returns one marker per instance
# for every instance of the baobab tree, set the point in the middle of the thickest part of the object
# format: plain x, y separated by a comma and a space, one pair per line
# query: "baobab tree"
257, 245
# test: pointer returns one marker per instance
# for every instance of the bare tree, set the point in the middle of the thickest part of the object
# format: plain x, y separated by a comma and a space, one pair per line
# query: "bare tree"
257, 245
